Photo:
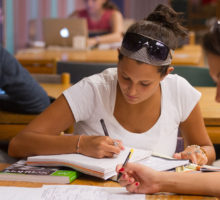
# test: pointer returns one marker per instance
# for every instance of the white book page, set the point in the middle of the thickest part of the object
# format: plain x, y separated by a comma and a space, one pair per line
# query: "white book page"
104, 165
20, 193
75, 192
162, 164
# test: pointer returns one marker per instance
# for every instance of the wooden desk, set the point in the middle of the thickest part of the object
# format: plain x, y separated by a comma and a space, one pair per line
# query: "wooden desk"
210, 112
54, 89
190, 55
64, 54
92, 181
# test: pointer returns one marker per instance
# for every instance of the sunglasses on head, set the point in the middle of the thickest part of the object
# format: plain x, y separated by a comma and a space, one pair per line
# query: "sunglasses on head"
155, 49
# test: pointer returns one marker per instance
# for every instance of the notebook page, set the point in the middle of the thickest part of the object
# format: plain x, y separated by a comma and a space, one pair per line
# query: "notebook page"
66, 192
18, 193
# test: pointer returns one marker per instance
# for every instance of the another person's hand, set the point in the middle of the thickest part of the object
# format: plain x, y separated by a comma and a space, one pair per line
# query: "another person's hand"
138, 178
99, 146
194, 154
92, 42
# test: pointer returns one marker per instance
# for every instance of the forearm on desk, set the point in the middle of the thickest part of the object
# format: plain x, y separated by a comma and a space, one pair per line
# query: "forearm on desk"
42, 144
188, 183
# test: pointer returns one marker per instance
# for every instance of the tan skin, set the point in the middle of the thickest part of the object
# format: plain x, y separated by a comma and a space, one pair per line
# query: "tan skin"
141, 179
138, 92
96, 10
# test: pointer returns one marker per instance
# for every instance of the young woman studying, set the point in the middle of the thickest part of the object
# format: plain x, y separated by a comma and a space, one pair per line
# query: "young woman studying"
143, 106
105, 22
140, 179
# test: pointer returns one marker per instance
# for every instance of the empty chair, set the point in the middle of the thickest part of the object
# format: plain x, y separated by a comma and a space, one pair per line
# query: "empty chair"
44, 66
79, 70
63, 78
197, 76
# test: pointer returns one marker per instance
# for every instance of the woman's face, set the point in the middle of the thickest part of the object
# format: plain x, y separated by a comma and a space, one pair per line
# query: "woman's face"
94, 6
214, 69
137, 81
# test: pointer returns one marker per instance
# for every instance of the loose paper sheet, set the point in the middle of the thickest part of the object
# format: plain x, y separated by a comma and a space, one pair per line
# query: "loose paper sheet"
80, 192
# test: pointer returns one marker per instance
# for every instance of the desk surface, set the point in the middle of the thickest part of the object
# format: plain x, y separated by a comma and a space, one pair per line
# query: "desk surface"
54, 89
92, 181
187, 55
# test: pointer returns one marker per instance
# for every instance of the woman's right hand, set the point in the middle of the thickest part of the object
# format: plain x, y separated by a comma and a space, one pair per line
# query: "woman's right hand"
99, 146
138, 178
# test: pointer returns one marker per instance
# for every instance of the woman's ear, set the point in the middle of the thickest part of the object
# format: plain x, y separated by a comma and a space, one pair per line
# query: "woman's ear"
169, 70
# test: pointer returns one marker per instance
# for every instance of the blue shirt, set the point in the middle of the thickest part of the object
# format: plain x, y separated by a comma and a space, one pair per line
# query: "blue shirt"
22, 93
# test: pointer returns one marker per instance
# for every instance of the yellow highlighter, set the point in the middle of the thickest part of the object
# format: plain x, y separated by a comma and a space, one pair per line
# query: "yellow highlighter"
125, 162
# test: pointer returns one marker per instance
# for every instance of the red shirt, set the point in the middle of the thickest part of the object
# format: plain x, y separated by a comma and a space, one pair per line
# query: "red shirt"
101, 26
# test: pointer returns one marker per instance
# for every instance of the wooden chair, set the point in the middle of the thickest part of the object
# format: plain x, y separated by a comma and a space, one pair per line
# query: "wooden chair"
63, 78
40, 66
13, 123
79, 70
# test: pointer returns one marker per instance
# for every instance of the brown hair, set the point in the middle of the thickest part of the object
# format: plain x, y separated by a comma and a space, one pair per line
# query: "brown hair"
110, 5
164, 26
211, 40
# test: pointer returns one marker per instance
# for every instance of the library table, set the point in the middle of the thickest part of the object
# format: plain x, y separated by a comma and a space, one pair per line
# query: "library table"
188, 55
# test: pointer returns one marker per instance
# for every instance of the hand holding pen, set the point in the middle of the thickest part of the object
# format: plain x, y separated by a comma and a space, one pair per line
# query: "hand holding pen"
116, 143
138, 178
125, 162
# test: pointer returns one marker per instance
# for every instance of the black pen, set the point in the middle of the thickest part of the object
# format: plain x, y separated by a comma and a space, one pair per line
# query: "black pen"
104, 127
125, 162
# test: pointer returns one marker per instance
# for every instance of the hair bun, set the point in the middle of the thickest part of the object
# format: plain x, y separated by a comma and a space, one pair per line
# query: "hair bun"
168, 18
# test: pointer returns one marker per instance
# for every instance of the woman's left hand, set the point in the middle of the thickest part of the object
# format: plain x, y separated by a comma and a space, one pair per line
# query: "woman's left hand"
194, 154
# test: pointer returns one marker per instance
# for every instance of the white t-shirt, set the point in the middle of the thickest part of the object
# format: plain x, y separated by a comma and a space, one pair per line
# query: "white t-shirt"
93, 98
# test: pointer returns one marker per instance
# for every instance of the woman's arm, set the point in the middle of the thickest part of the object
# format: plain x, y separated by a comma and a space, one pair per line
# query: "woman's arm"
194, 132
141, 179
42, 136
115, 35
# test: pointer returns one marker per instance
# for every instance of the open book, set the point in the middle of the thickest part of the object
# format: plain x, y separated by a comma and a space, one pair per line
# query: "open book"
103, 168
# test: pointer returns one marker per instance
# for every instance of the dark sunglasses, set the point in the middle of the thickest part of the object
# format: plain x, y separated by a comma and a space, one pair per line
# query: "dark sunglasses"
155, 49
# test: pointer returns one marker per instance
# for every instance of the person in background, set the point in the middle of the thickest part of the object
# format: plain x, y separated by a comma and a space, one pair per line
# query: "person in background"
20, 92
141, 179
105, 22
142, 104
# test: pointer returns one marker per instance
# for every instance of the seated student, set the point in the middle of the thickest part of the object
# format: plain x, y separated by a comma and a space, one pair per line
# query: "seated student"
22, 93
140, 179
142, 104
105, 22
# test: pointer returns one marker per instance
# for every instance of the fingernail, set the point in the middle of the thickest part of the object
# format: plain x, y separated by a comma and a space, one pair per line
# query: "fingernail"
130, 180
137, 184
122, 169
